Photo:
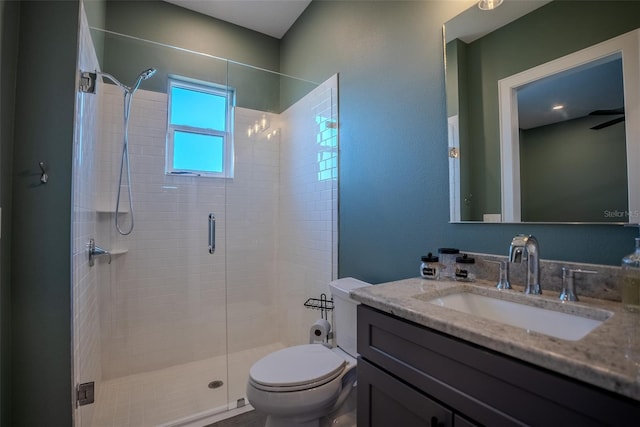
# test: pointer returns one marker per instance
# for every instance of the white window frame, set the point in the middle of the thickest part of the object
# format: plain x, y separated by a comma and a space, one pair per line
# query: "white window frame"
227, 136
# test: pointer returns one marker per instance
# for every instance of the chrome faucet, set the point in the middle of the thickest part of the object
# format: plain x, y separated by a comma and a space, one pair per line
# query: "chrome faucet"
525, 248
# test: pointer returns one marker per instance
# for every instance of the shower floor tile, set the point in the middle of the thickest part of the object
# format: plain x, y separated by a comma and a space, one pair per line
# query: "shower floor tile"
174, 393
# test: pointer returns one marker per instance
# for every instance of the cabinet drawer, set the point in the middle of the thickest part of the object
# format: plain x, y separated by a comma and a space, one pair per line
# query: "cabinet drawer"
486, 386
385, 401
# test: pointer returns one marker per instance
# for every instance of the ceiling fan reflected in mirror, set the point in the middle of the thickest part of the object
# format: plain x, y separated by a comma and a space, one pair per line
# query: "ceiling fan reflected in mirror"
610, 112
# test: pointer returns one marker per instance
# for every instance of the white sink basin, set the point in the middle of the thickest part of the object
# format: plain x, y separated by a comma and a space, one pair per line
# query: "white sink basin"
567, 326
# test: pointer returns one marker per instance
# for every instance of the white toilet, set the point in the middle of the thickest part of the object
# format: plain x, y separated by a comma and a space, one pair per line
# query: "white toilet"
299, 385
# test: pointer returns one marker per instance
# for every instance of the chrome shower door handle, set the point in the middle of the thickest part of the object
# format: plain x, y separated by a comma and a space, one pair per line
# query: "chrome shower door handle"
212, 233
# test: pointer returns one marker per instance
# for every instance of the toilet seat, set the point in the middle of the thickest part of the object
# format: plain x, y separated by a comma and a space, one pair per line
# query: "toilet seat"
296, 368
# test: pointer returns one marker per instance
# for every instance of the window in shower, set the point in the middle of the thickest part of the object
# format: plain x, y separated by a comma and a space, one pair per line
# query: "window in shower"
199, 137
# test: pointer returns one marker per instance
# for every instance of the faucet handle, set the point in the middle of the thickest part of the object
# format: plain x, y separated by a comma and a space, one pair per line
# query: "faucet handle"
95, 251
503, 278
568, 288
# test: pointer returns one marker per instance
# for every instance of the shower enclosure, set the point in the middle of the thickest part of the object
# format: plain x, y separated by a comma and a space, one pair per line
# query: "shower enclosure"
165, 328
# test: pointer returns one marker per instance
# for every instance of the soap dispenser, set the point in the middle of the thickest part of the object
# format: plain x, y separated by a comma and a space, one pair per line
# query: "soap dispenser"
631, 280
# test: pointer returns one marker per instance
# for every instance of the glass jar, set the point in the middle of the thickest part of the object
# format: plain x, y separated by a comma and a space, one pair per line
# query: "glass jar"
448, 262
465, 268
631, 280
430, 267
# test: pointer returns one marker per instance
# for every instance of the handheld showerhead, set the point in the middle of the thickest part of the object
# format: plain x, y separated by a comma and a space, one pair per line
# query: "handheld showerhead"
124, 162
143, 76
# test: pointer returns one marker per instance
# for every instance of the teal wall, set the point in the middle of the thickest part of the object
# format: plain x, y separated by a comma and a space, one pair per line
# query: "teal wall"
41, 248
568, 26
96, 11
256, 87
394, 196
457, 104
571, 158
453, 62
166, 23
9, 16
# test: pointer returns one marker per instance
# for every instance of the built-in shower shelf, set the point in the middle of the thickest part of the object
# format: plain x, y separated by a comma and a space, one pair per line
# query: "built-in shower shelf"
109, 208
111, 211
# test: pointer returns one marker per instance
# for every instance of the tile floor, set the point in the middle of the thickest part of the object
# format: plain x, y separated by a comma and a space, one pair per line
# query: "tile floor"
249, 419
176, 393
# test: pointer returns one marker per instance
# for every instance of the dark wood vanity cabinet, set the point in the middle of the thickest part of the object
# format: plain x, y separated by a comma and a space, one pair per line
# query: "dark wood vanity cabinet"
410, 375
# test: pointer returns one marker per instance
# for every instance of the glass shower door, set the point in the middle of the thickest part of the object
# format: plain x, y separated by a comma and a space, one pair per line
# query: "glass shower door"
150, 318
281, 214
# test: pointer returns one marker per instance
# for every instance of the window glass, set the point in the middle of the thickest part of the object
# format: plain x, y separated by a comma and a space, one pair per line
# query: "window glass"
197, 109
197, 152
198, 141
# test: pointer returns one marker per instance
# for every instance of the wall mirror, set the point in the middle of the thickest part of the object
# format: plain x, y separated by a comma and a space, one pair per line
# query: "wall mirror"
512, 157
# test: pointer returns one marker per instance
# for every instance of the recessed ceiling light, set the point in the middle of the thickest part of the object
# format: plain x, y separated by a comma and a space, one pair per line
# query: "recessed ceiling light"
557, 107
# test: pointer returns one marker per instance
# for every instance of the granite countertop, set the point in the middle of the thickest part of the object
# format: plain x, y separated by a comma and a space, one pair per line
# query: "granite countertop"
608, 357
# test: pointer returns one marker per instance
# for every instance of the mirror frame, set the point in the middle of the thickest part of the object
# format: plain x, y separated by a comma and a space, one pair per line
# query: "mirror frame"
626, 45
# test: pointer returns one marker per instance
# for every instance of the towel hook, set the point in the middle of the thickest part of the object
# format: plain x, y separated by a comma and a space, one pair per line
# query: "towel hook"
44, 177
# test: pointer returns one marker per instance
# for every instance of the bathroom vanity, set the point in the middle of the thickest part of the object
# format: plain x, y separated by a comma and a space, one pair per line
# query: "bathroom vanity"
422, 363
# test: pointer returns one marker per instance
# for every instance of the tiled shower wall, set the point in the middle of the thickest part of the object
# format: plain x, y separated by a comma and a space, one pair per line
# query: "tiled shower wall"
86, 334
252, 236
162, 299
307, 257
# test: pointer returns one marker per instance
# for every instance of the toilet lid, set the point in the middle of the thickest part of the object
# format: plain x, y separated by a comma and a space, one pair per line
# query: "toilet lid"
296, 366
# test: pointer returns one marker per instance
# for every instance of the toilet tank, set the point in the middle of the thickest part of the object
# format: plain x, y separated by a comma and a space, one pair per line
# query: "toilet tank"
344, 313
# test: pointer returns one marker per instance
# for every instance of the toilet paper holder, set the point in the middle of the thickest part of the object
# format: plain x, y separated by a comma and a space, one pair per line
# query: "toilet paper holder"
321, 330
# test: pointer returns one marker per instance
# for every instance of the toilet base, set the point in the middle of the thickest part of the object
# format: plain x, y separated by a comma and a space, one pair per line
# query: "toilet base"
346, 420
346, 415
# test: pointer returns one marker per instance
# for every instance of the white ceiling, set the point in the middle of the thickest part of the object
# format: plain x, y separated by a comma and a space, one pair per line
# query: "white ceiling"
271, 17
